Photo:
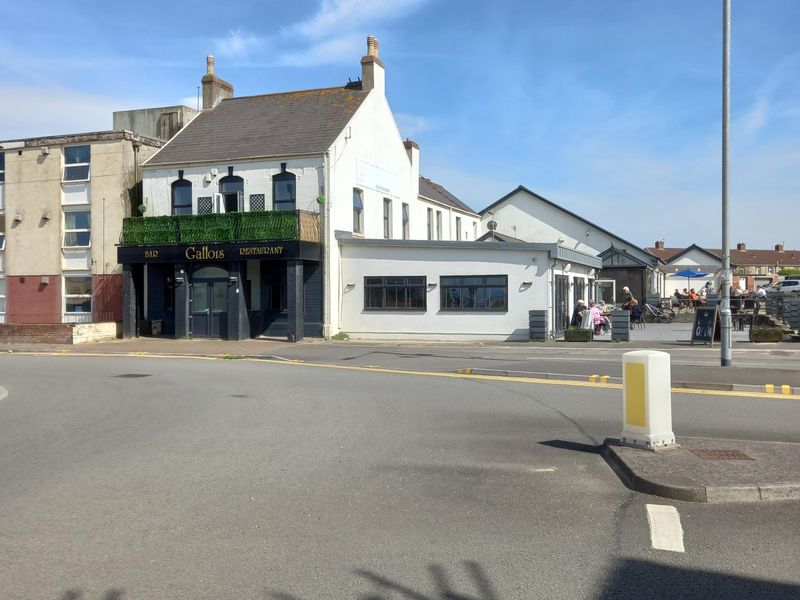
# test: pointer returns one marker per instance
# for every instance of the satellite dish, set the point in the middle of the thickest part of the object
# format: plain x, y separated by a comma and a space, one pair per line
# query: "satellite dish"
491, 225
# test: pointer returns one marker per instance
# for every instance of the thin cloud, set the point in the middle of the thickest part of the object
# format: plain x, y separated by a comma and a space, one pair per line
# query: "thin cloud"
238, 44
333, 51
338, 15
411, 125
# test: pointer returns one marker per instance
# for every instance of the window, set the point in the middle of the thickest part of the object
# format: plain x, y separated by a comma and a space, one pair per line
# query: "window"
438, 224
394, 293
458, 228
76, 163
181, 197
257, 203
483, 292
405, 222
2, 295
474, 230
387, 218
275, 293
232, 189
2, 232
77, 229
430, 223
2, 167
284, 190
358, 211
78, 294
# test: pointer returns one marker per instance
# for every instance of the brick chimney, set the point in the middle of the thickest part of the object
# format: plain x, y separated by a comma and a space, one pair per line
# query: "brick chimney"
412, 149
373, 74
215, 90
778, 247
659, 245
741, 247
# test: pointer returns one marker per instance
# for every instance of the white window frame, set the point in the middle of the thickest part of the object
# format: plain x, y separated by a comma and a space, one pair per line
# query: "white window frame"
65, 295
83, 164
3, 299
79, 230
358, 213
430, 223
458, 229
406, 216
438, 225
2, 232
387, 218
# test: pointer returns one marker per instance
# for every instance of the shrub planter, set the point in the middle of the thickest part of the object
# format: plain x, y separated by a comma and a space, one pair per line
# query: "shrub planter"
766, 334
578, 335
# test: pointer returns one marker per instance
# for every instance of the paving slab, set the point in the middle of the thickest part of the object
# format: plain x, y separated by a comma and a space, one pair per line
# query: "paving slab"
710, 470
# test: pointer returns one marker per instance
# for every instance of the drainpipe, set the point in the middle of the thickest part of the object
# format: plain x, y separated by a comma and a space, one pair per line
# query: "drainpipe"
326, 272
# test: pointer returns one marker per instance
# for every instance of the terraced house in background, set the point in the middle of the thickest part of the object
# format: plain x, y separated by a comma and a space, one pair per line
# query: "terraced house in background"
62, 200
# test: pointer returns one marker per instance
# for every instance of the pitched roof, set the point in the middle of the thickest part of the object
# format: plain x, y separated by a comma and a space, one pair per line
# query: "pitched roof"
269, 125
522, 188
434, 191
741, 258
496, 236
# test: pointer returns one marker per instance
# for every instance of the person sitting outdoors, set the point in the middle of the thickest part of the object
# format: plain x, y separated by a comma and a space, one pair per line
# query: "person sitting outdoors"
577, 314
627, 298
694, 299
599, 319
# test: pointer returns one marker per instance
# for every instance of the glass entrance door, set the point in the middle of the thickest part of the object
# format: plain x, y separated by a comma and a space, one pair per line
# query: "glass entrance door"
209, 301
560, 304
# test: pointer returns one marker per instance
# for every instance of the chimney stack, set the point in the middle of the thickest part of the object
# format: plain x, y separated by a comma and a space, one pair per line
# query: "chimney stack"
778, 247
659, 245
373, 74
215, 90
741, 247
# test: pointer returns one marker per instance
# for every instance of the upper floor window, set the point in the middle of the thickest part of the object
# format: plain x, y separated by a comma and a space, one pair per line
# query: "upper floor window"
430, 223
358, 211
232, 189
405, 221
2, 232
458, 228
438, 224
2, 167
76, 163
387, 218
284, 190
181, 197
77, 228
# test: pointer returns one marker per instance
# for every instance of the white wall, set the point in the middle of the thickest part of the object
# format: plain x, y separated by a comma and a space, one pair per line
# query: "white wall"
257, 175
365, 261
449, 215
526, 217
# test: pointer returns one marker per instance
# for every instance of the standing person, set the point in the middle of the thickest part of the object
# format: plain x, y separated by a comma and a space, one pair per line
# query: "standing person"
577, 314
627, 298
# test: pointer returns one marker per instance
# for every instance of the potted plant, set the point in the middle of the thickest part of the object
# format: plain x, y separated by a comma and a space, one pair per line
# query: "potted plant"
576, 334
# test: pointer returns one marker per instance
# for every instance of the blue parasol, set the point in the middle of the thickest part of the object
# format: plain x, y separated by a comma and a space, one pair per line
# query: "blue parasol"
689, 274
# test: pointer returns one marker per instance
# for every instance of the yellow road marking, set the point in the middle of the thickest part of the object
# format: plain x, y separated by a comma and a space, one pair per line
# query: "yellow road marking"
468, 376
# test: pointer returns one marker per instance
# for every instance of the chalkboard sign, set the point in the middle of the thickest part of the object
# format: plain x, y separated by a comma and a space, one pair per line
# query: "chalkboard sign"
705, 323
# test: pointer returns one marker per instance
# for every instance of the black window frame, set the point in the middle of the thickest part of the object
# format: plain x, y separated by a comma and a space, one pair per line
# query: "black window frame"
2, 167
450, 282
180, 183
395, 283
284, 177
233, 198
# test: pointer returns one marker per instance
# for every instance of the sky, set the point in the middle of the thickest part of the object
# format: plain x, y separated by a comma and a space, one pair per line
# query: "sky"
611, 109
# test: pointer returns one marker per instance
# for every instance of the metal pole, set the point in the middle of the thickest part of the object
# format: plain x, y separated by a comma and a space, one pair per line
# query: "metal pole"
725, 292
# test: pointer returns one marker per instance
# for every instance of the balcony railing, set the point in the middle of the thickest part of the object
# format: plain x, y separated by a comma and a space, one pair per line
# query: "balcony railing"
228, 227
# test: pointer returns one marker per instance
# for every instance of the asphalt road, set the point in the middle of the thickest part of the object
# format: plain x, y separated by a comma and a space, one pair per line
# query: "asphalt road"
142, 478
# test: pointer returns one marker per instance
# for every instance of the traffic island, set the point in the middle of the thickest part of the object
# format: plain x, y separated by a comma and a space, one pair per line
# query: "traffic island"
710, 470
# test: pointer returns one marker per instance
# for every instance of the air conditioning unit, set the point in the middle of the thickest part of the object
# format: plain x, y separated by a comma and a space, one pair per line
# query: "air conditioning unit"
208, 177
45, 150
219, 203
214, 172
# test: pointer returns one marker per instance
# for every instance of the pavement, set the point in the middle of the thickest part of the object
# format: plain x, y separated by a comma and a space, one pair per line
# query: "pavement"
710, 470
772, 474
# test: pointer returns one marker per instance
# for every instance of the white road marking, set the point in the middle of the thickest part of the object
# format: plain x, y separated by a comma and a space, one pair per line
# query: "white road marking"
666, 532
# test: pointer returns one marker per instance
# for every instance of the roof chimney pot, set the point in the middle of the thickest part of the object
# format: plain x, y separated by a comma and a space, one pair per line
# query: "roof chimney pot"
741, 247
778, 247
372, 46
210, 64
659, 244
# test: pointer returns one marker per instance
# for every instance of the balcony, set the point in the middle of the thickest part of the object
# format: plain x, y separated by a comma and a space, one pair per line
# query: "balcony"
228, 227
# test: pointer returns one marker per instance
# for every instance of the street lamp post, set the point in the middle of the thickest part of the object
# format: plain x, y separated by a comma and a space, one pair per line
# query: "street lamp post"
725, 295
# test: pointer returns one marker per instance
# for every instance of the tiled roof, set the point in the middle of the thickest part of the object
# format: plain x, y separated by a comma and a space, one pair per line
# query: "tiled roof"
741, 258
434, 191
270, 125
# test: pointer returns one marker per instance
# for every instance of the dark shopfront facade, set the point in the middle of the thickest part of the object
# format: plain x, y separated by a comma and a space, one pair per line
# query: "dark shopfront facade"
230, 291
